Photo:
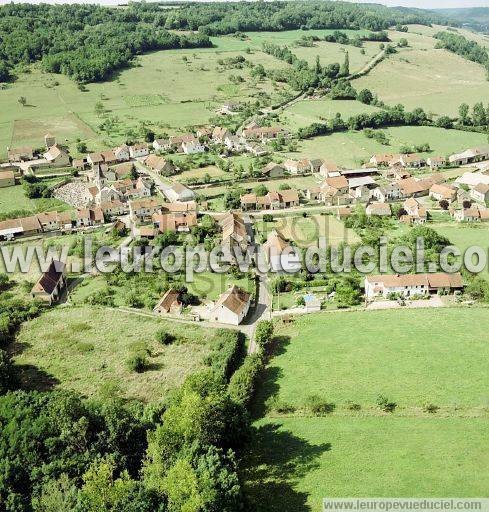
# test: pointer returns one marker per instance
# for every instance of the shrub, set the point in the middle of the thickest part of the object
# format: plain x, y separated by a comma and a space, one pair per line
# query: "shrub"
242, 384
263, 334
318, 406
267, 217
164, 337
429, 407
384, 404
137, 363
352, 406
226, 354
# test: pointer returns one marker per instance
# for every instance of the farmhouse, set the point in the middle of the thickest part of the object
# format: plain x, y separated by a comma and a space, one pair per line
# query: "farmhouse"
471, 215
122, 153
143, 209
95, 158
443, 192
161, 144
79, 164
138, 150
109, 157
328, 169
480, 193
412, 187
192, 147
89, 217
231, 307
386, 160
412, 160
271, 201
469, 156
179, 192
51, 284
175, 222
114, 208
56, 155
263, 134
273, 170
53, 221
169, 303
160, 164
379, 209
435, 162
298, 166
234, 232
119, 171
20, 154
18, 227
219, 134
390, 192
7, 179
415, 212
280, 255
409, 285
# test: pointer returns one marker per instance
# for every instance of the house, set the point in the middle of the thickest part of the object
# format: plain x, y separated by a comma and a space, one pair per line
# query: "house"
412, 187
143, 209
79, 164
313, 193
122, 153
391, 192
175, 222
51, 284
256, 149
86, 217
343, 212
109, 157
161, 144
20, 154
7, 179
192, 147
471, 179
412, 161
204, 131
53, 221
95, 158
231, 307
23, 226
280, 255
169, 303
363, 172
179, 192
379, 209
56, 155
386, 160
469, 156
49, 140
264, 133
160, 164
271, 201
114, 208
339, 183
315, 164
435, 162
397, 173
273, 170
234, 232
408, 285
176, 141
297, 166
445, 192
229, 109
138, 150
328, 168
480, 193
119, 171
415, 212
467, 215
219, 134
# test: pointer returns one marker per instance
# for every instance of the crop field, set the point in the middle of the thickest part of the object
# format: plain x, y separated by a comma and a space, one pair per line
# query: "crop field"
85, 349
412, 357
306, 112
349, 149
305, 231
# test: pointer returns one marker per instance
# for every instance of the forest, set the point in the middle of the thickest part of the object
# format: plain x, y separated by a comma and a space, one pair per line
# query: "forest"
89, 42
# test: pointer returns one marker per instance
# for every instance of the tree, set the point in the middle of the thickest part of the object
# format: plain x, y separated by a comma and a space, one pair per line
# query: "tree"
365, 96
444, 122
23, 101
479, 115
463, 112
81, 147
99, 108
403, 42
263, 334
260, 190
444, 204
345, 67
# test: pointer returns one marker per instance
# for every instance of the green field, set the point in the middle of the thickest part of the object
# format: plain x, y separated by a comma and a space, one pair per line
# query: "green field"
306, 112
422, 76
465, 235
13, 199
168, 90
349, 149
305, 231
85, 349
412, 357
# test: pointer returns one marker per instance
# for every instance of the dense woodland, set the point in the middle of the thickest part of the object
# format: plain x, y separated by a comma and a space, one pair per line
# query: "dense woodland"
89, 42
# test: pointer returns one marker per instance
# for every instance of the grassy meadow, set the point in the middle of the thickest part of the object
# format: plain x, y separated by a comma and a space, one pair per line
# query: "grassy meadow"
85, 349
412, 357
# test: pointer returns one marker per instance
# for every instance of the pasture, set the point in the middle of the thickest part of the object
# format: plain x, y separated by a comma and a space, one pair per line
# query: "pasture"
350, 149
85, 349
412, 357
464, 235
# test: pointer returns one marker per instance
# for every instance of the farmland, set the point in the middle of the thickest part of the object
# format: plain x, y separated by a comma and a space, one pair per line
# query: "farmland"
86, 348
352, 358
350, 148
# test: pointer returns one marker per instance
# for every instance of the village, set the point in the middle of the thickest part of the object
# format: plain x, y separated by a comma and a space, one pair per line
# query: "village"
135, 189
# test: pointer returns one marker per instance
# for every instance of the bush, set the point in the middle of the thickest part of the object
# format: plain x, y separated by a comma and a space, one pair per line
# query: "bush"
429, 407
243, 382
384, 404
263, 334
318, 406
137, 363
226, 354
267, 217
353, 406
164, 337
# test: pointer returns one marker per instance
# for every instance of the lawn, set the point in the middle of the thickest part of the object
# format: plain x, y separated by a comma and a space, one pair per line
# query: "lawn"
305, 231
85, 349
351, 148
306, 112
296, 462
410, 356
